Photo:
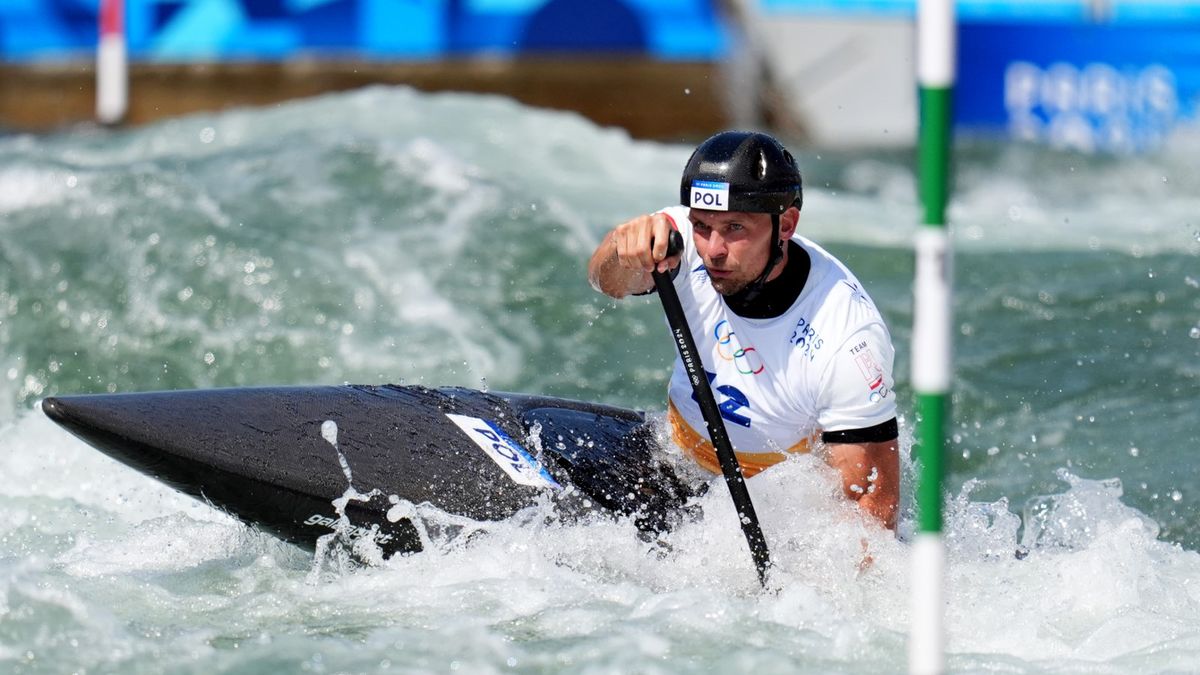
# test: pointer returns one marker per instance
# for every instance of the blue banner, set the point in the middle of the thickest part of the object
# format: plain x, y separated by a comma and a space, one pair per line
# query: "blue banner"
1088, 87
181, 30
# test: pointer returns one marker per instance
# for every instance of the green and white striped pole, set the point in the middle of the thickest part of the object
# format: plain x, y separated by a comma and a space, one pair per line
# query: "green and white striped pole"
931, 340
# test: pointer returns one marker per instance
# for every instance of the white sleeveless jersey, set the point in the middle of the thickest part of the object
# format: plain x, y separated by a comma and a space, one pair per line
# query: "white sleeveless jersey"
823, 365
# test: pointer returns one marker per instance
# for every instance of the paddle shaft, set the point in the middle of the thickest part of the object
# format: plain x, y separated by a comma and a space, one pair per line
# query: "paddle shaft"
712, 414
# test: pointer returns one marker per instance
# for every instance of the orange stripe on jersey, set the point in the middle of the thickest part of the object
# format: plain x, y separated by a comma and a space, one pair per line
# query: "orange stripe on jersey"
700, 449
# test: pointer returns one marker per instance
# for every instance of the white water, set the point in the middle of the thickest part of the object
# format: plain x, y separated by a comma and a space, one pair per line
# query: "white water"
294, 246
1097, 593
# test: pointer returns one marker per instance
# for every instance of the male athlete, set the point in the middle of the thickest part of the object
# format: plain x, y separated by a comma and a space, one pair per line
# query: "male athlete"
796, 352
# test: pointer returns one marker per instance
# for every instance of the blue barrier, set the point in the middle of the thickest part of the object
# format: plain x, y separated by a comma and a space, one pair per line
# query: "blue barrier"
177, 30
1111, 75
1089, 87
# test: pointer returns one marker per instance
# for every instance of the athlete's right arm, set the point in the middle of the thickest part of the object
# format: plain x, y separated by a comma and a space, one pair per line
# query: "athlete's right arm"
623, 261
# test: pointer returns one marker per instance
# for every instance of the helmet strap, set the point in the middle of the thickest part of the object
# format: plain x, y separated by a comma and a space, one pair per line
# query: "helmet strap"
751, 291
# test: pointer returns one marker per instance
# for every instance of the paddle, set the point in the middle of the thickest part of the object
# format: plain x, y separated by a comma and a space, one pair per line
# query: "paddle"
712, 414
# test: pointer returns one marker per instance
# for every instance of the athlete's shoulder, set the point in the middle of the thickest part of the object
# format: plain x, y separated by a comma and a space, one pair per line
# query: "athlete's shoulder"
842, 298
678, 215
825, 267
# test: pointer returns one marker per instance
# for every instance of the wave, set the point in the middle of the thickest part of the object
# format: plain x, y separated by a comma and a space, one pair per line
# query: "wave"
1084, 583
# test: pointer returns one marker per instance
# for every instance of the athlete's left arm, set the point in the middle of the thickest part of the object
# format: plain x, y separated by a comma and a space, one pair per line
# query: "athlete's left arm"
870, 476
857, 409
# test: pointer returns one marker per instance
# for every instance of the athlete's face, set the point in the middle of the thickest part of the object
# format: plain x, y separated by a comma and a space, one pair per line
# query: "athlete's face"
734, 246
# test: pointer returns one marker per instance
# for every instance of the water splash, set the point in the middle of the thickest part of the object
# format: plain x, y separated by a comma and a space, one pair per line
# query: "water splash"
347, 545
1074, 519
329, 431
980, 531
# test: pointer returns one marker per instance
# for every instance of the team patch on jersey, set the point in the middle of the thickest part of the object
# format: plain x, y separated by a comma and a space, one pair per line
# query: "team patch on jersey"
520, 466
871, 372
710, 195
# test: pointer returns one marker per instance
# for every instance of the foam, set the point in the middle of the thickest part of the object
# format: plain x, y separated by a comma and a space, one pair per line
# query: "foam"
1095, 588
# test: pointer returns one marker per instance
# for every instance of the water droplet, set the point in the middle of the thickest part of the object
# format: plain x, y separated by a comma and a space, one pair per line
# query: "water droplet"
1194, 333
1191, 281
1133, 452
687, 92
1176, 495
329, 431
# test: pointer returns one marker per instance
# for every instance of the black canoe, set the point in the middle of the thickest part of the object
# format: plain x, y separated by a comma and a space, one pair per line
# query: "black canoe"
261, 454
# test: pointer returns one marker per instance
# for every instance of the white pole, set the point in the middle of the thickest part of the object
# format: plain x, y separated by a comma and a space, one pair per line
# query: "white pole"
932, 330
112, 67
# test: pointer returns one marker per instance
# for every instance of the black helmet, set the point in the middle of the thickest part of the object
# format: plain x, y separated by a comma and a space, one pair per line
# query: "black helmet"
741, 171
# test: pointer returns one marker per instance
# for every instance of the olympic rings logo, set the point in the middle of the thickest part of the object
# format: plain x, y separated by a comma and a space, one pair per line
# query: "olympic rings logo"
747, 361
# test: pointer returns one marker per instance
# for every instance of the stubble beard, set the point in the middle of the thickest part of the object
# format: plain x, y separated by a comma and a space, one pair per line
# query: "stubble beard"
728, 287
734, 284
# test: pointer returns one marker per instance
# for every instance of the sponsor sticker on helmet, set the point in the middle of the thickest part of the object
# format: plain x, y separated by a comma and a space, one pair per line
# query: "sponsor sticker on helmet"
710, 195
520, 466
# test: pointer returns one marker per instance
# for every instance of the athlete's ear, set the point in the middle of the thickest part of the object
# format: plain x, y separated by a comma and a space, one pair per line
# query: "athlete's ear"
788, 221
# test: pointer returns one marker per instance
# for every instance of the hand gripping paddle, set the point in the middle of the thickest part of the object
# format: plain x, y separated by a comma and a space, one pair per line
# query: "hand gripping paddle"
712, 414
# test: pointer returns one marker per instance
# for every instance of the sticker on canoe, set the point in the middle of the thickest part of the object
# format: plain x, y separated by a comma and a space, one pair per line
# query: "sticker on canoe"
504, 451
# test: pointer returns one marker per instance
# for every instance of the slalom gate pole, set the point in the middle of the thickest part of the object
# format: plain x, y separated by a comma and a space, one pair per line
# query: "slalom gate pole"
932, 336
112, 65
